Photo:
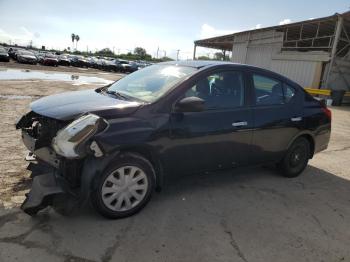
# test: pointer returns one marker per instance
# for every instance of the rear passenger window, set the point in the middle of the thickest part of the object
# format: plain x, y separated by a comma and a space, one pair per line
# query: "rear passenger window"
268, 91
288, 93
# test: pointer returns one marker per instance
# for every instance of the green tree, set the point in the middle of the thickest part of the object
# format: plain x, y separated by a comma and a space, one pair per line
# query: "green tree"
203, 57
218, 56
141, 52
105, 52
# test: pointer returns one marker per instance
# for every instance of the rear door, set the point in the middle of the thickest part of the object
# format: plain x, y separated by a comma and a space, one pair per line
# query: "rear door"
277, 116
218, 137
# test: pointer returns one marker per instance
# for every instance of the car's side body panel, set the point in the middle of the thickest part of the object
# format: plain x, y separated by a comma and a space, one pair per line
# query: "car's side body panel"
209, 140
184, 142
275, 125
316, 122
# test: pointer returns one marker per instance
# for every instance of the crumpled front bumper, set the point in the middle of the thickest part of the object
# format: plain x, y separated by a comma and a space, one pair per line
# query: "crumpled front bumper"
47, 185
44, 188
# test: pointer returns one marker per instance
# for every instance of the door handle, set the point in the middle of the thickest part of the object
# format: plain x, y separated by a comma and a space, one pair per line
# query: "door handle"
242, 123
296, 119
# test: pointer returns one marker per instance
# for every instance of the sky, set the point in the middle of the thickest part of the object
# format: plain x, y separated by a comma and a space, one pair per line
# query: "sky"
152, 24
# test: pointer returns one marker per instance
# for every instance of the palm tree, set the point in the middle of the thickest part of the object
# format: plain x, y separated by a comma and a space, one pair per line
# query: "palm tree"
77, 38
73, 38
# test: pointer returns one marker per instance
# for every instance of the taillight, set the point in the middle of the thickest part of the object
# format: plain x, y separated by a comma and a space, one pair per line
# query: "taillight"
327, 112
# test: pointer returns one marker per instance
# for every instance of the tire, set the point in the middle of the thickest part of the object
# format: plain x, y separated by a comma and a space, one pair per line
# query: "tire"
296, 158
124, 188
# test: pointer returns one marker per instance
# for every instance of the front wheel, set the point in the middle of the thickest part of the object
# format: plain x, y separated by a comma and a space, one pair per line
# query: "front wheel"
296, 158
125, 187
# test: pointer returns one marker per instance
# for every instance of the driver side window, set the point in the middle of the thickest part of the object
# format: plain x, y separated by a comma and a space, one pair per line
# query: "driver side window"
220, 90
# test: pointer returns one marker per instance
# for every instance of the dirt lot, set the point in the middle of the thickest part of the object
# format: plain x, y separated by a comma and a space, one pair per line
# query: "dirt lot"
240, 215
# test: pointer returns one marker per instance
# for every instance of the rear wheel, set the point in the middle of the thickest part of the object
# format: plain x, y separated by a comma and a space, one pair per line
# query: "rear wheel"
296, 158
125, 187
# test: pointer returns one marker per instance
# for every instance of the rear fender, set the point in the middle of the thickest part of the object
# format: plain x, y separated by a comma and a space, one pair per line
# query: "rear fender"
304, 133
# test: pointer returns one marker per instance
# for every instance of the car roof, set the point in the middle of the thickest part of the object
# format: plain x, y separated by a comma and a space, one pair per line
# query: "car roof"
197, 63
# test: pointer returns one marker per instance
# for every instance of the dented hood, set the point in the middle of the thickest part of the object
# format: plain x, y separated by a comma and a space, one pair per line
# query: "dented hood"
67, 106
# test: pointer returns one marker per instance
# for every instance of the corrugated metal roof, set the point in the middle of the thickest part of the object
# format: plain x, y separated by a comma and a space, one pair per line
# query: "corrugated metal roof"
225, 42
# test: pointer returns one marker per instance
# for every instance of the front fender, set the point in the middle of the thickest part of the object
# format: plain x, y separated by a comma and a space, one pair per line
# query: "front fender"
92, 168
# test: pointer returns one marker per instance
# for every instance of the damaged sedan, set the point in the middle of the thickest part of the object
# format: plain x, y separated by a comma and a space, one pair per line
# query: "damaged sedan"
116, 145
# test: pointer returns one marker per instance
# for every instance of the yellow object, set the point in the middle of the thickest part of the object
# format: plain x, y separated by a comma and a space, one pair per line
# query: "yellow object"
325, 92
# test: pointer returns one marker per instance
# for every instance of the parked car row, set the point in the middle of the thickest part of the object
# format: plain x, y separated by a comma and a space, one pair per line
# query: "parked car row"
4, 56
51, 59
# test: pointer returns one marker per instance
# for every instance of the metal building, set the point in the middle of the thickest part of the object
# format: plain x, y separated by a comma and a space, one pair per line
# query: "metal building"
314, 53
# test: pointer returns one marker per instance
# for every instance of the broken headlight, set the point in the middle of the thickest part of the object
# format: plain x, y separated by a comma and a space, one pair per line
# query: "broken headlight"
69, 141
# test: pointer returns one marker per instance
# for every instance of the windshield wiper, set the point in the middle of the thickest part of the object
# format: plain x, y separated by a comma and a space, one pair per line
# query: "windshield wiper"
117, 94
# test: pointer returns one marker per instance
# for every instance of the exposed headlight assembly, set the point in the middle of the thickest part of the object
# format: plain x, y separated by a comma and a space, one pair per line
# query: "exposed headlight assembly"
69, 141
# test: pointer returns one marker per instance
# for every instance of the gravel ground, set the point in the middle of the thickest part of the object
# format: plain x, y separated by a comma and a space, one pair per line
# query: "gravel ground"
241, 215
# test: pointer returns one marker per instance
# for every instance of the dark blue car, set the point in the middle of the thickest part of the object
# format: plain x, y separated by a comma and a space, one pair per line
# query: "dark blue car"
117, 144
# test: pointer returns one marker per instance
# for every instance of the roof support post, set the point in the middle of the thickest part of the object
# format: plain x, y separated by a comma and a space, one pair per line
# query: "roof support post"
334, 47
194, 52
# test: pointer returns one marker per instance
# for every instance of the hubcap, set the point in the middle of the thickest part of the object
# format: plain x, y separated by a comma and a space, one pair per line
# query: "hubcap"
297, 157
124, 188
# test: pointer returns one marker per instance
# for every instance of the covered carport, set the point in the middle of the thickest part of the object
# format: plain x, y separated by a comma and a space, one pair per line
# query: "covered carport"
223, 43
315, 52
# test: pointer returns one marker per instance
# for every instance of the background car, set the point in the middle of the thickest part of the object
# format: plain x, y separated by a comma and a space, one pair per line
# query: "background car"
117, 144
92, 62
50, 60
4, 56
79, 61
40, 56
26, 57
101, 64
63, 60
13, 52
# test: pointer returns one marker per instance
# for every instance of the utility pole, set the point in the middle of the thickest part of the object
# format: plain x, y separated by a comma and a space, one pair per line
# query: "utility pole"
157, 51
177, 54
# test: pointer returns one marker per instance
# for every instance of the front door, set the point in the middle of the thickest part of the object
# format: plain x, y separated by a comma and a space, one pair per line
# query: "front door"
218, 137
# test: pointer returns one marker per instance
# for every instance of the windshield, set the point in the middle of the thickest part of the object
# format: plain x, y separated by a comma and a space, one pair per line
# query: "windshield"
152, 82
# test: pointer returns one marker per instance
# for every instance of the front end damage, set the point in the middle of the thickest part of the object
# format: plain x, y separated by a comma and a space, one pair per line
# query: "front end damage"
61, 147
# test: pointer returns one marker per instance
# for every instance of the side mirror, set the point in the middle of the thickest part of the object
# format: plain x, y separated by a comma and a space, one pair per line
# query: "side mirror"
190, 104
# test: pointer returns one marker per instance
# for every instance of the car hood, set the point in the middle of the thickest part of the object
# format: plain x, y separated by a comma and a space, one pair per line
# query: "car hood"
67, 106
28, 56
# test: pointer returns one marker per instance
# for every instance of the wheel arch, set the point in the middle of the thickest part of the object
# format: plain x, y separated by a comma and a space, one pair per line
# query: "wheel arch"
94, 167
148, 153
310, 138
